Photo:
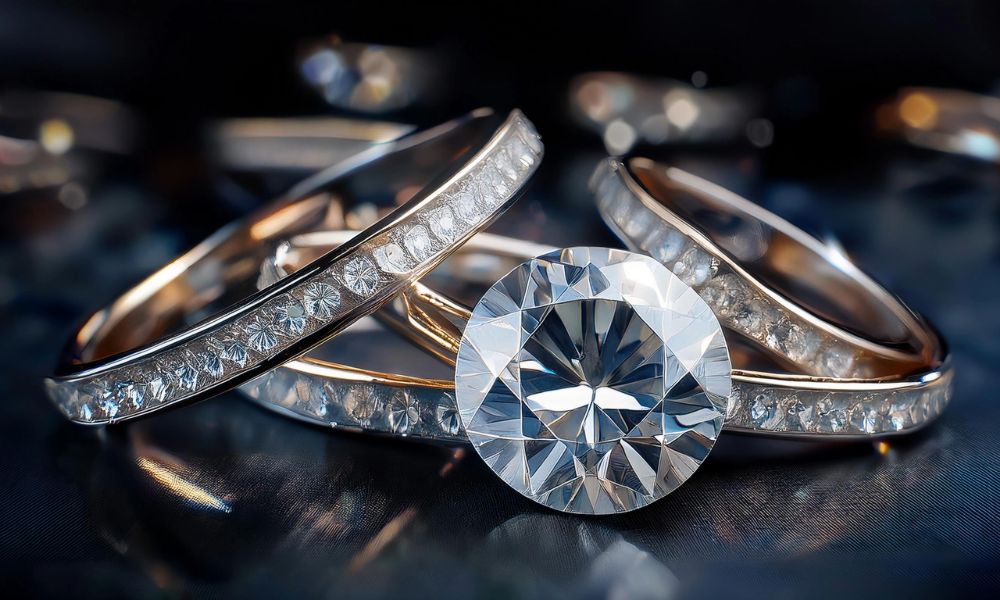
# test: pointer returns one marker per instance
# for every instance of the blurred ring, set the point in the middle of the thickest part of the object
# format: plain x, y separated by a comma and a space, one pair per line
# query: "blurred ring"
160, 344
953, 121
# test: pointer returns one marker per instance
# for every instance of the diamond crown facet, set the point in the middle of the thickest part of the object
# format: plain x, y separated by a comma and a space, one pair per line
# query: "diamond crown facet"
593, 380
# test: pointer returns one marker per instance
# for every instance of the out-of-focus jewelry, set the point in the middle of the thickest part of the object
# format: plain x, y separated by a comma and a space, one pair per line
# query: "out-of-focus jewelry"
947, 120
198, 327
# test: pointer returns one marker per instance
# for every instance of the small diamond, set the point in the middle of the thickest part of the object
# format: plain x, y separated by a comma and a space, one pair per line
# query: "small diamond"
183, 373
636, 226
362, 404
418, 242
865, 418
521, 152
234, 351
831, 414
391, 258
900, 413
160, 387
493, 183
291, 316
447, 416
531, 139
765, 413
694, 267
130, 393
801, 344
505, 165
836, 361
261, 336
465, 205
746, 317
361, 276
666, 244
321, 299
801, 416
404, 412
443, 223
210, 363
104, 400
724, 294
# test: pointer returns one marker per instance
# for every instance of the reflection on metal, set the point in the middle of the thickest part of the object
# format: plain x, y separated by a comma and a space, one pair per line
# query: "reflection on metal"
627, 110
304, 144
947, 120
369, 78
176, 484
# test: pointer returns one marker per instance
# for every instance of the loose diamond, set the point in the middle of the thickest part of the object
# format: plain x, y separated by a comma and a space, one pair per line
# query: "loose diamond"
418, 242
261, 335
443, 223
291, 316
392, 259
361, 276
321, 300
592, 380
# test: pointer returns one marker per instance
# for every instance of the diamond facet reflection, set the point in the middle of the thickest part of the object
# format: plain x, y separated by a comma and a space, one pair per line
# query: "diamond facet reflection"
593, 380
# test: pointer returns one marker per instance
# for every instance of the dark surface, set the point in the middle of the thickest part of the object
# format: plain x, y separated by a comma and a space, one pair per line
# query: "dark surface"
226, 499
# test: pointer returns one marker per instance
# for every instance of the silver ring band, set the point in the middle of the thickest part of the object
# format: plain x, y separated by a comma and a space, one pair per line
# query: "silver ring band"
766, 279
457, 177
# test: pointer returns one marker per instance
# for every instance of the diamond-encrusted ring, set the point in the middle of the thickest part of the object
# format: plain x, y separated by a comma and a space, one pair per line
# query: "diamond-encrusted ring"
591, 380
197, 327
780, 288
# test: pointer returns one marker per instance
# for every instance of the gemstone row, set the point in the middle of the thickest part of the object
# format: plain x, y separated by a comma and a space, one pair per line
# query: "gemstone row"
736, 303
791, 411
426, 413
432, 413
377, 268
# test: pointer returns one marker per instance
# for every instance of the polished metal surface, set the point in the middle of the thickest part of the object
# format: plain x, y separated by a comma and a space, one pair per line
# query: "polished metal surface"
130, 359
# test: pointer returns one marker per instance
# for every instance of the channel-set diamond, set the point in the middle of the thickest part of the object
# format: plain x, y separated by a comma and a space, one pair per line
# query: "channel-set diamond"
195, 363
592, 380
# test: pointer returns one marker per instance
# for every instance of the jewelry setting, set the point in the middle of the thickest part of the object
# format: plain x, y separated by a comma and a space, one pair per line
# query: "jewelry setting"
590, 380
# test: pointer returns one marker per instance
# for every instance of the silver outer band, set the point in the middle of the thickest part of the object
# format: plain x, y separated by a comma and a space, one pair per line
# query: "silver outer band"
774, 321
780, 405
286, 319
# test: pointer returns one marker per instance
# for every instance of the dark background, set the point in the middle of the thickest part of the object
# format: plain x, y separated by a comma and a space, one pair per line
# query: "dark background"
225, 499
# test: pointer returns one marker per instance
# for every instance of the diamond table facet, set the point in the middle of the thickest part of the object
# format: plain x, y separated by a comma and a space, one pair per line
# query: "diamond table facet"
593, 380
